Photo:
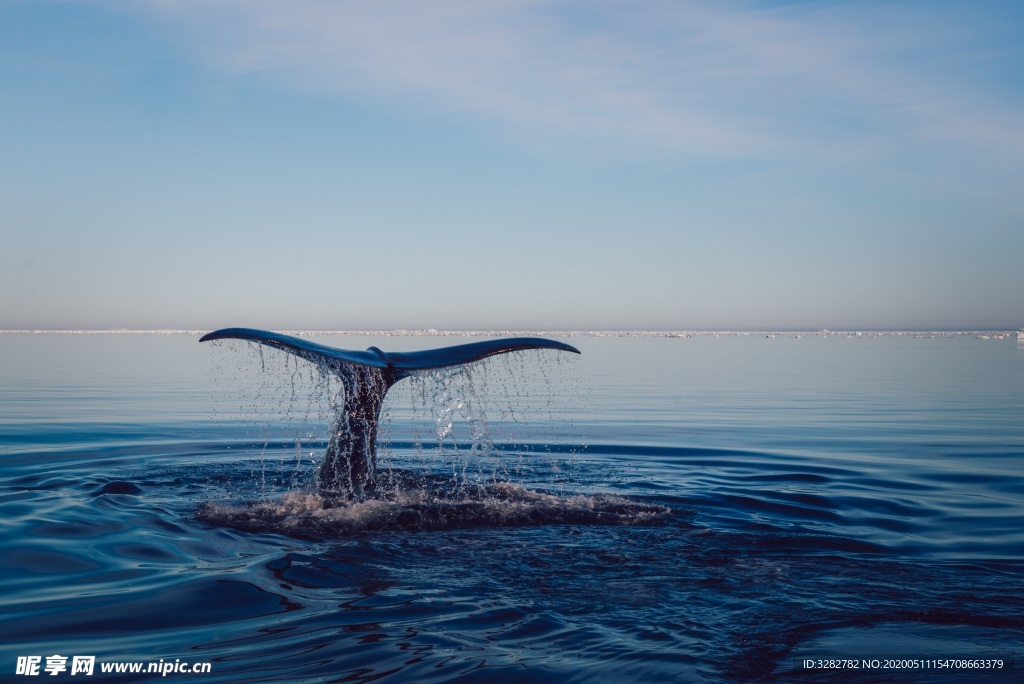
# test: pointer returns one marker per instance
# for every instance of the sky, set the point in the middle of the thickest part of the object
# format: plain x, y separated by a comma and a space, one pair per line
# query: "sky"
526, 164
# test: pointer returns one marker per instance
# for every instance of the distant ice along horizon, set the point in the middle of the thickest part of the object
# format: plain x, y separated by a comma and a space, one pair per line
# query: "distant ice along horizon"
997, 334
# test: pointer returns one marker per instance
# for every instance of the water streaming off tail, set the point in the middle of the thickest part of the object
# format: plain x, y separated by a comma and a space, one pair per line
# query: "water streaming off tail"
451, 450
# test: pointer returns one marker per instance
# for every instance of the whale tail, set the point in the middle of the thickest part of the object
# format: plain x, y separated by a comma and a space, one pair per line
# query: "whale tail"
350, 461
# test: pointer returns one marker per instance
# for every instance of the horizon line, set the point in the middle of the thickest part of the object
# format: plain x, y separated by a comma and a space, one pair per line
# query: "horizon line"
432, 332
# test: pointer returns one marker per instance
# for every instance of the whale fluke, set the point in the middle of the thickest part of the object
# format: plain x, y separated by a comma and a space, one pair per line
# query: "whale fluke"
350, 462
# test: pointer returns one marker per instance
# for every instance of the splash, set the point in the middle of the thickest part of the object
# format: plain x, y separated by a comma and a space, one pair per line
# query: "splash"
423, 508
448, 472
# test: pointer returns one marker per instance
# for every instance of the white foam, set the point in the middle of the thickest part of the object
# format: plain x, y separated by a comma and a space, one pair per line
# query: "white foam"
502, 504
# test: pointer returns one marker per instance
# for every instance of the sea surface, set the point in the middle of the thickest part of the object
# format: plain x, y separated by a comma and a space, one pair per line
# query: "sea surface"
734, 508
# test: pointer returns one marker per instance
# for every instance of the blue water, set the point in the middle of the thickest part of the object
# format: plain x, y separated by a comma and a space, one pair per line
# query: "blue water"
712, 509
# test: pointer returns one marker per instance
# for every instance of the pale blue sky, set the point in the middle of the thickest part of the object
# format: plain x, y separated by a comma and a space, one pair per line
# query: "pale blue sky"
535, 165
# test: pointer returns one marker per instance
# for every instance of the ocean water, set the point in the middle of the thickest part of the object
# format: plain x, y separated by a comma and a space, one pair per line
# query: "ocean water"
705, 509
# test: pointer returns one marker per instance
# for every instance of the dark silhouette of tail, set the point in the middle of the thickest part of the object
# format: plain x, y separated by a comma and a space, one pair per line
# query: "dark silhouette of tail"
350, 462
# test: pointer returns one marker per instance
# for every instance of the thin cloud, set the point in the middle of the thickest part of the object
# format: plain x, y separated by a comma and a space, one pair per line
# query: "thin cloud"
707, 79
